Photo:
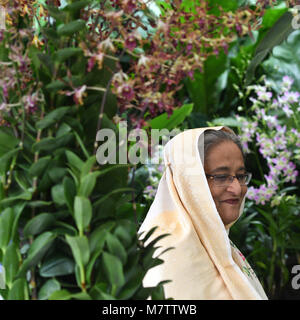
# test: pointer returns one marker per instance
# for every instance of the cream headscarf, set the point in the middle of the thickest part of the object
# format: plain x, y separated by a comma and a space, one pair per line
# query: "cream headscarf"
205, 264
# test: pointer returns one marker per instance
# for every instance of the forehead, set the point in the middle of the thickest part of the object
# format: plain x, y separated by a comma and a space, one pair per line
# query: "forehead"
225, 154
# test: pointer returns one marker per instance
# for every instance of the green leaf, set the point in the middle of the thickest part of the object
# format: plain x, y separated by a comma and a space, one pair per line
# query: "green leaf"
69, 192
7, 142
57, 193
18, 209
70, 28
52, 118
178, 116
11, 262
77, 5
116, 248
113, 269
57, 266
38, 224
108, 195
46, 61
39, 167
5, 160
80, 249
55, 85
60, 295
88, 165
55, 13
124, 236
65, 53
132, 285
6, 224
48, 288
74, 160
19, 290
56, 174
51, 144
98, 292
279, 32
36, 251
97, 240
87, 184
26, 195
82, 212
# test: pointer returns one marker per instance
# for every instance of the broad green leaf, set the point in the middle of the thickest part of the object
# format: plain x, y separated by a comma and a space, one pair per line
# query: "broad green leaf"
87, 184
18, 209
51, 144
36, 251
56, 174
74, 160
97, 240
80, 249
57, 193
98, 235
39, 167
22, 179
116, 248
70, 28
65, 53
98, 292
163, 122
26, 195
124, 236
6, 224
77, 5
48, 288
69, 192
46, 61
60, 295
57, 266
132, 285
55, 85
11, 262
5, 160
107, 196
38, 224
82, 212
52, 118
56, 13
88, 165
113, 269
7, 142
279, 32
19, 290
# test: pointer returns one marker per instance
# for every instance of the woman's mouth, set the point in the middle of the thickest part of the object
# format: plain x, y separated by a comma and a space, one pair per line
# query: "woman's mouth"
232, 201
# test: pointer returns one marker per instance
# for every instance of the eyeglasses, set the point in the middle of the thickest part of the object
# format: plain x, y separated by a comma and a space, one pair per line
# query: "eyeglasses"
222, 180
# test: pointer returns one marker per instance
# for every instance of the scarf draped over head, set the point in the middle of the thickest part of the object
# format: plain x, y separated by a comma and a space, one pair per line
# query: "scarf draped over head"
204, 263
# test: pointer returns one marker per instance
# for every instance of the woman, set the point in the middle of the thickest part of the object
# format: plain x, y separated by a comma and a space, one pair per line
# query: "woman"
200, 195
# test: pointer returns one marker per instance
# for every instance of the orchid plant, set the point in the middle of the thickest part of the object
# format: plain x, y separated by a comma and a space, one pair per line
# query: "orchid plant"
272, 122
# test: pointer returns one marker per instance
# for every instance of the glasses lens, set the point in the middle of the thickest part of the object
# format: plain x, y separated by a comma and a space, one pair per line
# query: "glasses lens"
223, 180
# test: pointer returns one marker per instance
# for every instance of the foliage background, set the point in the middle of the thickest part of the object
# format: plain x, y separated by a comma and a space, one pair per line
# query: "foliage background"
68, 225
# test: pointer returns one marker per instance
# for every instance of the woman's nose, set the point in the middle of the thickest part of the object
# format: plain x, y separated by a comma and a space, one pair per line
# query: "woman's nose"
235, 187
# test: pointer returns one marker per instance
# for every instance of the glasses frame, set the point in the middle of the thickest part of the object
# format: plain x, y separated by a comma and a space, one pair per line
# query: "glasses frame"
212, 177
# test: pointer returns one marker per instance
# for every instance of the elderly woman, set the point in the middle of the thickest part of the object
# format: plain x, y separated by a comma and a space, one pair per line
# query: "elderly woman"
200, 195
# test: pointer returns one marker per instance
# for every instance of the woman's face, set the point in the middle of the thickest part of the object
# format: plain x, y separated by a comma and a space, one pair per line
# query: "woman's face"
226, 158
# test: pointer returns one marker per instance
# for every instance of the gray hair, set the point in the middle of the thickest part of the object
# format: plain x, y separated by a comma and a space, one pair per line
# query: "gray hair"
215, 137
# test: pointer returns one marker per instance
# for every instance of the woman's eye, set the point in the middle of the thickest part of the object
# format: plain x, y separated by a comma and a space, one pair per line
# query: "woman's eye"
222, 177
